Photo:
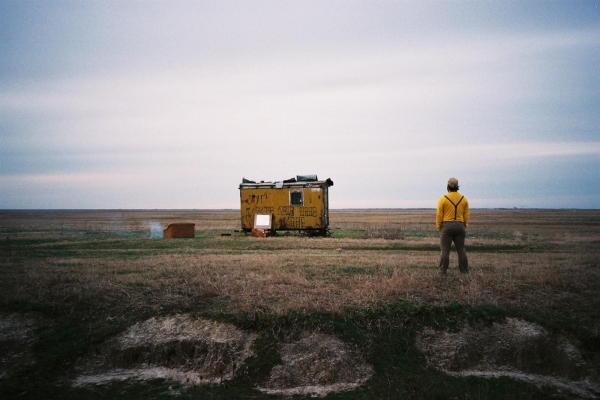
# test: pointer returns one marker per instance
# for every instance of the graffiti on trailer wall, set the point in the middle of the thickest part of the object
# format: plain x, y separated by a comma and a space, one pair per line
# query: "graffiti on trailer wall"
303, 211
293, 217
257, 199
258, 210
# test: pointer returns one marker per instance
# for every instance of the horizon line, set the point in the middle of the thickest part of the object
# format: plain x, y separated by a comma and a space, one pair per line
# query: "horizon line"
330, 209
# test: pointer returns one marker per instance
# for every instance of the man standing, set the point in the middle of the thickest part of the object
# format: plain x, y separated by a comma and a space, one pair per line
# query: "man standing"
451, 220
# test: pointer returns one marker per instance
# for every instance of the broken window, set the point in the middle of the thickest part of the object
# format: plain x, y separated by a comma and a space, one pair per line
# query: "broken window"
296, 199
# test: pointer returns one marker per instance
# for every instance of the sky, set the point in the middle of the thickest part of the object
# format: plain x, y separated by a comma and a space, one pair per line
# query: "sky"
169, 104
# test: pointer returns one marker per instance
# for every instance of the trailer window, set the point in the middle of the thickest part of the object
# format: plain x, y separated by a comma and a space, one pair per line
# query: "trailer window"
296, 198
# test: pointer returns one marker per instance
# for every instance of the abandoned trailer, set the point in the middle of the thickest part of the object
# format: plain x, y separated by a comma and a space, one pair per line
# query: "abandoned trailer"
300, 203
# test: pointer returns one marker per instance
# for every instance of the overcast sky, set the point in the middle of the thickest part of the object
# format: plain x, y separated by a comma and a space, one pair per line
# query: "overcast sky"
168, 104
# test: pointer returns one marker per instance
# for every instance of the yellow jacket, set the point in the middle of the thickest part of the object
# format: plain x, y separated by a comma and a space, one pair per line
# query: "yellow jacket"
447, 212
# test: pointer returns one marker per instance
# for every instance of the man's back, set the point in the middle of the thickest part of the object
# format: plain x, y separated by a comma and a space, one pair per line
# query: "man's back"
452, 207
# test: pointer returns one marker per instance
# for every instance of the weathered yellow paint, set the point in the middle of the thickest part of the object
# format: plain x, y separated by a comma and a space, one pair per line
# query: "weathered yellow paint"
283, 205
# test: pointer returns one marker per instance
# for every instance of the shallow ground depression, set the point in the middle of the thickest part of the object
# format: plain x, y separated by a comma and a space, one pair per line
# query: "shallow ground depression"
181, 348
317, 364
17, 335
516, 349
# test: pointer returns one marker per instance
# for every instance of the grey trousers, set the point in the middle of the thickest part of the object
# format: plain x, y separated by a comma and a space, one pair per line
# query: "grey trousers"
453, 232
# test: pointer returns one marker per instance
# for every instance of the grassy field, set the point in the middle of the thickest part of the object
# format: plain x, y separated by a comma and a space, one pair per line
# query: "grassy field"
78, 278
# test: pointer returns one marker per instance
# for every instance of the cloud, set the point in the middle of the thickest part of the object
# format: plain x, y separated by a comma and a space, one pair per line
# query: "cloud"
210, 93
513, 151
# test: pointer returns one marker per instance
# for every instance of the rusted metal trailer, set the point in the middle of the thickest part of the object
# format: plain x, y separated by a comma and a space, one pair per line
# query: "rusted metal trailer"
300, 203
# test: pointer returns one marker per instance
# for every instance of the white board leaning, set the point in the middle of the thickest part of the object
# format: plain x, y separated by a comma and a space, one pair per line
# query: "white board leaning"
262, 221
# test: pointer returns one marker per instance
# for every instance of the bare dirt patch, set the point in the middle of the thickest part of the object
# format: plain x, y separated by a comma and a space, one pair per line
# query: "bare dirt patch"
180, 348
16, 339
516, 349
317, 364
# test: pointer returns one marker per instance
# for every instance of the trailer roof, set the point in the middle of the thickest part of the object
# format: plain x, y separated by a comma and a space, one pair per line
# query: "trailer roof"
299, 181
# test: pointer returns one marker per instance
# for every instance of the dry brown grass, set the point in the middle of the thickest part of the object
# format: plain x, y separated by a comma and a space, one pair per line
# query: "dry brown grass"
545, 263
